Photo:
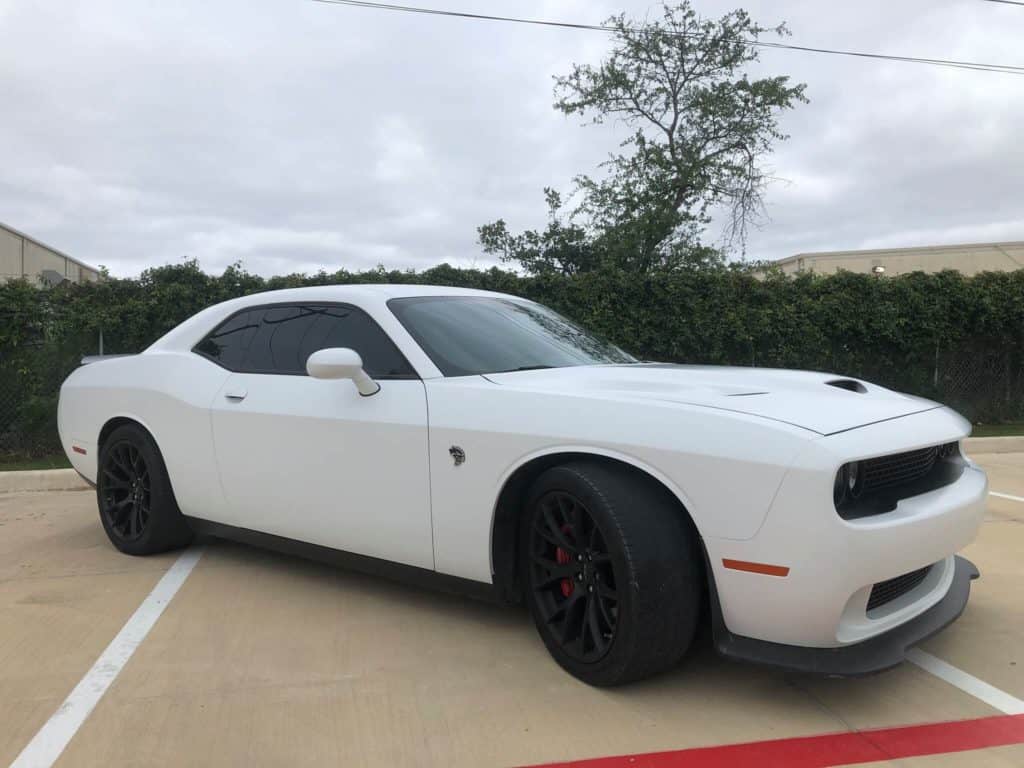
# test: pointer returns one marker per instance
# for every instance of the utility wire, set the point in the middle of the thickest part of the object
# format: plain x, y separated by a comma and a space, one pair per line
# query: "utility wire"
971, 65
1006, 2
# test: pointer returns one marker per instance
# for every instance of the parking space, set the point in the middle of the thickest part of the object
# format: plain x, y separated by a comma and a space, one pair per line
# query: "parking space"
62, 598
263, 659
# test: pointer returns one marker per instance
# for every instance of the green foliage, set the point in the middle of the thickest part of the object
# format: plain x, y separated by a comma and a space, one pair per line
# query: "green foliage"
945, 336
701, 129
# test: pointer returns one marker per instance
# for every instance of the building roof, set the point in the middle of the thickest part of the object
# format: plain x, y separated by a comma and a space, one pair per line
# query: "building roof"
921, 250
41, 244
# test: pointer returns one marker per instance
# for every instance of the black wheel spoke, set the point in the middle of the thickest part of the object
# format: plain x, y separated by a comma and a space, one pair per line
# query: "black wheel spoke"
605, 612
555, 576
545, 533
596, 633
607, 592
556, 531
118, 463
571, 620
113, 480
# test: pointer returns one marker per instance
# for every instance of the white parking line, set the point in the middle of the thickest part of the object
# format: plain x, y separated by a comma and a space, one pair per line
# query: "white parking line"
47, 745
1006, 496
967, 683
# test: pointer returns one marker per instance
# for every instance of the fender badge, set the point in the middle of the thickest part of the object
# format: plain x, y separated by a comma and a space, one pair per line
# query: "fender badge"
458, 455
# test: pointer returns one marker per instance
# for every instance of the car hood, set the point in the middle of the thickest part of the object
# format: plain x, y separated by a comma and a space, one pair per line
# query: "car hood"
820, 402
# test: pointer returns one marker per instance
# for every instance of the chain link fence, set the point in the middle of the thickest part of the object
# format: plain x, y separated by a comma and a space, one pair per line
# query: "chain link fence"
987, 385
30, 379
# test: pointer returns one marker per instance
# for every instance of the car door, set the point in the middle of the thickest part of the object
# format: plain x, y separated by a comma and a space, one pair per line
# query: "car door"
314, 460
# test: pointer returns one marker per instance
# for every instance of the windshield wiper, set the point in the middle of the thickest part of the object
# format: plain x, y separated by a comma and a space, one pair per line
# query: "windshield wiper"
526, 368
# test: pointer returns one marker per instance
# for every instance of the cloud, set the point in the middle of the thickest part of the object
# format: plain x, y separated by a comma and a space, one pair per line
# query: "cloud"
294, 136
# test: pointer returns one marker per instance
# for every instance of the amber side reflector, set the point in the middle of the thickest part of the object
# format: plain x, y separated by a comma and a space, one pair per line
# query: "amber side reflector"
763, 568
78, 449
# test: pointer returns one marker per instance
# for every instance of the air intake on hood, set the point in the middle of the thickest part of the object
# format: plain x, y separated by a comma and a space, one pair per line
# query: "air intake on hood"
848, 384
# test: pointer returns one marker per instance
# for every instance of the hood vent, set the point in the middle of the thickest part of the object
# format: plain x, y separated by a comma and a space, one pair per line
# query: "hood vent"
848, 384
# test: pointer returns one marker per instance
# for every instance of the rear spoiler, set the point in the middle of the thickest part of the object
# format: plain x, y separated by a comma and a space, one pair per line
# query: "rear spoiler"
88, 359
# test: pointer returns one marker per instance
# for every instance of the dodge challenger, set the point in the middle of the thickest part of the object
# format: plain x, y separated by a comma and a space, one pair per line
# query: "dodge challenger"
483, 443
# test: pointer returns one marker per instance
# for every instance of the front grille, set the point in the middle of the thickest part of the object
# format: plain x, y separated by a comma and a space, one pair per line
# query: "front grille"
898, 469
886, 591
875, 486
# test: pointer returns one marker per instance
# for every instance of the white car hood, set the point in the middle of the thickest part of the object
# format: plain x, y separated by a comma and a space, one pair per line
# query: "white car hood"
801, 398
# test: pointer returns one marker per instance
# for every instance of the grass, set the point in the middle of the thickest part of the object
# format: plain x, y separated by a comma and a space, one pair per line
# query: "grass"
998, 430
56, 461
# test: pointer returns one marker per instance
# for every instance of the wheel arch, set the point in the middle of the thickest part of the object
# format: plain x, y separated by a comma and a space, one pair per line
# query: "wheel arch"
118, 421
508, 506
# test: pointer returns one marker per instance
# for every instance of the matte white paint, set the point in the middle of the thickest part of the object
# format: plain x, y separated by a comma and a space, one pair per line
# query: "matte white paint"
333, 364
48, 743
750, 453
316, 461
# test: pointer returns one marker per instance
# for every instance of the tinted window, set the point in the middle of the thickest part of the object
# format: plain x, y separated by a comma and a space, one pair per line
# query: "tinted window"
467, 335
279, 339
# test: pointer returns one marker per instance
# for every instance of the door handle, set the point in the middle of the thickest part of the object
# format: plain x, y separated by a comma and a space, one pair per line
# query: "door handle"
235, 395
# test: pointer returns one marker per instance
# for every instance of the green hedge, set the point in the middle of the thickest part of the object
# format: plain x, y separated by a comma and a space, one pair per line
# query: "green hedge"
945, 336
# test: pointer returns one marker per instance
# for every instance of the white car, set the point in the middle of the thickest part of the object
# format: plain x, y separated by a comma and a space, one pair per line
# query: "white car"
483, 443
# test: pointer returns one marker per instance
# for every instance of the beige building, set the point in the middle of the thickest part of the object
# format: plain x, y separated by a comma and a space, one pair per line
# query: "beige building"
24, 256
968, 259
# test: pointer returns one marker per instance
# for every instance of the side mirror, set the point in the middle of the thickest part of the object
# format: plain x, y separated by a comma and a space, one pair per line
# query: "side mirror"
341, 363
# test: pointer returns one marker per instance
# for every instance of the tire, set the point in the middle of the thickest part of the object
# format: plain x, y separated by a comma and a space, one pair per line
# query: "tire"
638, 560
134, 495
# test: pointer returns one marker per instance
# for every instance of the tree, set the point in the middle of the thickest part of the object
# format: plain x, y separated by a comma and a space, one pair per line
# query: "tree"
562, 248
700, 131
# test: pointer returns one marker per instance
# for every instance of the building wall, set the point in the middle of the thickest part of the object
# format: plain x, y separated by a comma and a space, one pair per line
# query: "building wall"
22, 256
968, 259
10, 255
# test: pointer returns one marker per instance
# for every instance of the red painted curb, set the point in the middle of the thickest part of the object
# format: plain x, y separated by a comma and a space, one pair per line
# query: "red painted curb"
831, 749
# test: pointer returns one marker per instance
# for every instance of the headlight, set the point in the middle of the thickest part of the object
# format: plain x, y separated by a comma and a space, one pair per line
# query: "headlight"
849, 482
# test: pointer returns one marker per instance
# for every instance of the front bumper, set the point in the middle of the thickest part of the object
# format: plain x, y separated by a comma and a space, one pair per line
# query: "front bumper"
833, 563
867, 657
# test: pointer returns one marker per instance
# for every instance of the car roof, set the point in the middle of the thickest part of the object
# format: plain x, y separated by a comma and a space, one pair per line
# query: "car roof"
351, 292
371, 296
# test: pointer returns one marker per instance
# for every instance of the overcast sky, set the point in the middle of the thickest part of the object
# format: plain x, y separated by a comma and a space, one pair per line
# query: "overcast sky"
292, 135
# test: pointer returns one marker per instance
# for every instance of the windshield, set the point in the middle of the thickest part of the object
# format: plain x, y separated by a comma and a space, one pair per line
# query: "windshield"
466, 335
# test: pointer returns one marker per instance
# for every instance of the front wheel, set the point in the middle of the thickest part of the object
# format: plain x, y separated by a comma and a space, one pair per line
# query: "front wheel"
611, 565
133, 491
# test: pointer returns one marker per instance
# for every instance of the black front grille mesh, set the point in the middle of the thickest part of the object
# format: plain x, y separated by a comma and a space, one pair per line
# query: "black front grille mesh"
886, 591
898, 469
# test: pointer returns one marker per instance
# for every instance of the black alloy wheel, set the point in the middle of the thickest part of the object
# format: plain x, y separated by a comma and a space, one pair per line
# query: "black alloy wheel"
611, 571
126, 495
134, 495
572, 576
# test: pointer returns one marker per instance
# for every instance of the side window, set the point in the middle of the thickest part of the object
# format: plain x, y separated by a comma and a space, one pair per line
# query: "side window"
227, 343
279, 339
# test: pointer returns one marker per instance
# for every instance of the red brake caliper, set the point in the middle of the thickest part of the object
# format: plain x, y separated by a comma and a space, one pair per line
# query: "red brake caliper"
564, 558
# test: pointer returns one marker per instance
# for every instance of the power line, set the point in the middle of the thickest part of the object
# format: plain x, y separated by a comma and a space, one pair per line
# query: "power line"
951, 63
1006, 2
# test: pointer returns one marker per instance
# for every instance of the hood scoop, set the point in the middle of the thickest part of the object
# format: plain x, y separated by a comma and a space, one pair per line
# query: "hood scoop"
848, 384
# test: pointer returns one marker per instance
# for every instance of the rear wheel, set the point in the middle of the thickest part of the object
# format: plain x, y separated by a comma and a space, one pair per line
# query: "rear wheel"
612, 570
136, 503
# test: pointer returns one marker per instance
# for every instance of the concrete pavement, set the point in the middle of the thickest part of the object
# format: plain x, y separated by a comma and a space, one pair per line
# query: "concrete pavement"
263, 659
